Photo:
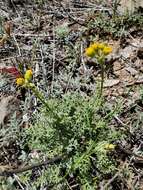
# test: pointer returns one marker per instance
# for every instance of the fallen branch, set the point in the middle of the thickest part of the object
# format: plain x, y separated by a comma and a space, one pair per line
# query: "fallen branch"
26, 168
135, 83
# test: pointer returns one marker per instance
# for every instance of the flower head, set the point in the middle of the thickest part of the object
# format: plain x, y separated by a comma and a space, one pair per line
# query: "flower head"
90, 52
107, 50
95, 46
101, 46
28, 75
109, 146
98, 50
20, 81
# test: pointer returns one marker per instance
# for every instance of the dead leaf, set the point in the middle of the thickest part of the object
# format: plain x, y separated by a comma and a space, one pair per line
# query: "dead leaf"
4, 168
111, 82
117, 66
3, 40
132, 71
7, 27
8, 106
3, 108
124, 76
130, 5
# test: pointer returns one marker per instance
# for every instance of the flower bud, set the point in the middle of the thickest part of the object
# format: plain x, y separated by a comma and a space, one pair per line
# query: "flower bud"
28, 75
109, 146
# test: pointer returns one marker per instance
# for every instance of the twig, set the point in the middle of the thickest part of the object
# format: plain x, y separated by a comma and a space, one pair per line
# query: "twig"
114, 177
120, 122
19, 51
33, 35
12, 5
43, 65
135, 83
26, 168
54, 56
110, 181
71, 17
18, 181
81, 55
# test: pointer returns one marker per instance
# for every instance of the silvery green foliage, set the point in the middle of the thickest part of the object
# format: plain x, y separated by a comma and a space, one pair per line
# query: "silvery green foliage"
62, 31
11, 132
80, 133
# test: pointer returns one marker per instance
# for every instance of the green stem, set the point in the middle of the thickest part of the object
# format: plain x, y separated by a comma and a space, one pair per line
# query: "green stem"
101, 61
40, 96
102, 79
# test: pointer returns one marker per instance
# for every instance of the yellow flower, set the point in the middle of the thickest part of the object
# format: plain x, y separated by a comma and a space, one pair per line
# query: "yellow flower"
107, 50
20, 81
90, 52
109, 146
28, 74
101, 46
95, 46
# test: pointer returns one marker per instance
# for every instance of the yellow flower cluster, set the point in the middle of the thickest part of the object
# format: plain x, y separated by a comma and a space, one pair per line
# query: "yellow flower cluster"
20, 81
110, 147
27, 77
98, 49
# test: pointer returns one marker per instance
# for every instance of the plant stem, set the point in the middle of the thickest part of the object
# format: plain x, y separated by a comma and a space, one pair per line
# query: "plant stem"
40, 96
101, 61
102, 79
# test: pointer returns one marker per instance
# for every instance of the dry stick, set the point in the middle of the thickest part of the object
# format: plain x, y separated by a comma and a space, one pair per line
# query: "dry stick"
113, 178
26, 168
18, 181
71, 17
135, 83
11, 3
54, 55
110, 181
33, 35
81, 55
43, 65
19, 51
